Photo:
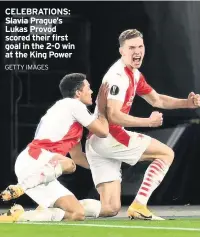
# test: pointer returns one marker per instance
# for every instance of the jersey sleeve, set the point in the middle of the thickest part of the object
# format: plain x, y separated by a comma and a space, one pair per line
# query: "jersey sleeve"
82, 114
117, 87
143, 87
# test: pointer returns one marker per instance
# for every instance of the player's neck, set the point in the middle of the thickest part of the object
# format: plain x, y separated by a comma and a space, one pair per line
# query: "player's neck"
127, 65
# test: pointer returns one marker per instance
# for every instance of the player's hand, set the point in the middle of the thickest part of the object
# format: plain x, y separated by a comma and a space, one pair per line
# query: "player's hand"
102, 98
193, 100
156, 119
69, 166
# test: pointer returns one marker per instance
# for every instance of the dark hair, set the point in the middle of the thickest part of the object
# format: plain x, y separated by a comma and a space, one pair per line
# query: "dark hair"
71, 83
129, 34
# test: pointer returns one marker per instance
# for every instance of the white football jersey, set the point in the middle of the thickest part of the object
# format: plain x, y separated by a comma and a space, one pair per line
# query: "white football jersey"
61, 127
124, 84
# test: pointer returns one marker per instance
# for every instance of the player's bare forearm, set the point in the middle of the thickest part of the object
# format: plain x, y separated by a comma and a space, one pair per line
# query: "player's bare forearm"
167, 102
102, 118
99, 126
125, 120
81, 160
192, 102
78, 156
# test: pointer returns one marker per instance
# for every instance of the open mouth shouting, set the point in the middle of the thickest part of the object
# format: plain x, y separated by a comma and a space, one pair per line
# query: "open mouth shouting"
137, 59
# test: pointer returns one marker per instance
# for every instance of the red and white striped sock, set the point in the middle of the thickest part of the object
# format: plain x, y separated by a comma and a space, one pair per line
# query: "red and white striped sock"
152, 179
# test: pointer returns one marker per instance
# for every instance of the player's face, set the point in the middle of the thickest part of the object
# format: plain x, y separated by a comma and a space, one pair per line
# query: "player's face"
132, 52
85, 94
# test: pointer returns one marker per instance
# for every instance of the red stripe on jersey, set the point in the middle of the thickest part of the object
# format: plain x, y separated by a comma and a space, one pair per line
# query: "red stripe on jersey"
62, 146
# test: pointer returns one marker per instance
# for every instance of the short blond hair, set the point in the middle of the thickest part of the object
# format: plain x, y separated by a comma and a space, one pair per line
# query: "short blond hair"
129, 34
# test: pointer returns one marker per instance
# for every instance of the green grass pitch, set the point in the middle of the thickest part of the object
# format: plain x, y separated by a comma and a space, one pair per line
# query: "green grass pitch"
104, 228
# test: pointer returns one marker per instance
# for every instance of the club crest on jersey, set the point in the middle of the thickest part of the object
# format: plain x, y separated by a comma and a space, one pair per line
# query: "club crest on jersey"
114, 90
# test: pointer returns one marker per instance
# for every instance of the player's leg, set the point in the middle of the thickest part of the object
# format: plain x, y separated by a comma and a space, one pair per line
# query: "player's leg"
57, 203
110, 197
72, 207
107, 179
131, 154
162, 157
17, 214
13, 214
55, 166
74, 212
45, 196
53, 169
92, 207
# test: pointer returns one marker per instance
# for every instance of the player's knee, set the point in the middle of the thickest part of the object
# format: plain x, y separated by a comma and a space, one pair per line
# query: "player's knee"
68, 166
78, 215
169, 156
115, 208
110, 210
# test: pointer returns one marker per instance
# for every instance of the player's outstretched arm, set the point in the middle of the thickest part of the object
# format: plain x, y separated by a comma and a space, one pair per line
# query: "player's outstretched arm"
167, 102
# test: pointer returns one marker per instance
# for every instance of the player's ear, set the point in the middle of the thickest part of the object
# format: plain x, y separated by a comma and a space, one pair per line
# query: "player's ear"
77, 93
121, 51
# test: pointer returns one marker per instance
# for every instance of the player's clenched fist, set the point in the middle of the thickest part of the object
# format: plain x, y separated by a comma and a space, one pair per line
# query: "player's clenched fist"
193, 100
156, 119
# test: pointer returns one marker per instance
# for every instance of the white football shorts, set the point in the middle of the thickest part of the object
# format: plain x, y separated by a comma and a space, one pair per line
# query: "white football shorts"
105, 155
44, 195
